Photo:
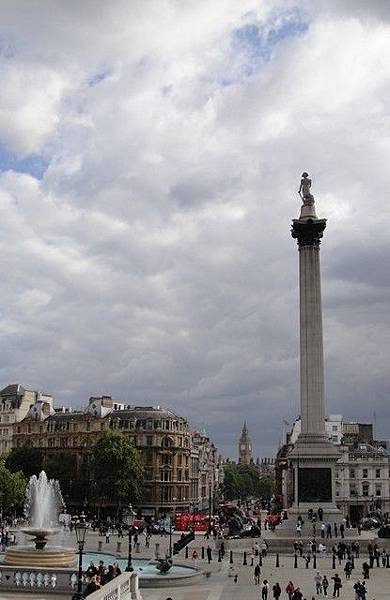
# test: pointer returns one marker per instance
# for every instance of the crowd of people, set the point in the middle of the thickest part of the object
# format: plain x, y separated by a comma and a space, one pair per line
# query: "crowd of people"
100, 575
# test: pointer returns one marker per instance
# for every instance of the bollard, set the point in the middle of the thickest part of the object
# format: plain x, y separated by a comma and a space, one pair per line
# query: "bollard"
295, 561
260, 561
219, 556
100, 543
314, 560
252, 559
186, 551
333, 561
277, 560
118, 547
202, 552
231, 557
244, 561
352, 562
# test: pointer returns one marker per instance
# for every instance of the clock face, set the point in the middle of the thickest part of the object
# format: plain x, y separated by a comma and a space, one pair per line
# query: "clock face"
242, 446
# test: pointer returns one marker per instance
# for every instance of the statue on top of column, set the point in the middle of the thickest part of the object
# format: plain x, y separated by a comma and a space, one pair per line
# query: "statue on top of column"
304, 190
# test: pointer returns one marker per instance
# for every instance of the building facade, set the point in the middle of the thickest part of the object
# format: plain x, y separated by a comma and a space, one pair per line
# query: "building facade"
163, 439
362, 471
15, 402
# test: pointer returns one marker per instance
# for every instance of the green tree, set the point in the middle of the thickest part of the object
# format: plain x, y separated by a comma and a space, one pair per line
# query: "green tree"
231, 485
62, 466
118, 468
25, 459
265, 487
12, 490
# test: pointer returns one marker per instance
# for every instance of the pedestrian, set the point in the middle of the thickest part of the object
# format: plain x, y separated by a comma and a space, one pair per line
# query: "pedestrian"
366, 570
222, 548
209, 554
325, 585
348, 570
290, 590
337, 585
318, 583
323, 530
328, 531
299, 530
335, 530
235, 578
297, 594
107, 536
384, 557
256, 574
264, 590
342, 527
277, 590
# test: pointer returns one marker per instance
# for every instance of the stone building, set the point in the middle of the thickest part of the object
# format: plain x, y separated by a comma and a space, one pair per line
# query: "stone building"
15, 402
363, 480
204, 474
362, 472
245, 447
163, 439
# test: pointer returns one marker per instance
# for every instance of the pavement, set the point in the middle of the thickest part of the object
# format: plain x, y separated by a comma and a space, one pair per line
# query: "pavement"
218, 583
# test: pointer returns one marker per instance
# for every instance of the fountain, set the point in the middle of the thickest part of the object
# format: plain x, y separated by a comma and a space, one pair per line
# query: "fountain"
43, 503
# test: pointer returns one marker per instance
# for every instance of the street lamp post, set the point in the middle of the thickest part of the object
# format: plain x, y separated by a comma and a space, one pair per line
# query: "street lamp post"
130, 522
170, 526
81, 530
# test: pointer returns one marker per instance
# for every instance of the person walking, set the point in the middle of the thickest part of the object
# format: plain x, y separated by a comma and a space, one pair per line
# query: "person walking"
342, 528
264, 590
209, 554
325, 585
277, 590
297, 594
318, 583
337, 585
348, 570
290, 590
256, 574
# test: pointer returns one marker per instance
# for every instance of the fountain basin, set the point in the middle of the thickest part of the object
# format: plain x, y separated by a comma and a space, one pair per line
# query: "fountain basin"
50, 556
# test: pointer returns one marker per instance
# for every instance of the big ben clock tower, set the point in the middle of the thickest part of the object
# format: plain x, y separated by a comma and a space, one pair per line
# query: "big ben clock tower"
245, 447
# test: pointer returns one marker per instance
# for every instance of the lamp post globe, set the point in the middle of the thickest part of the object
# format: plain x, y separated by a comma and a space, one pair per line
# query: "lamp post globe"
80, 527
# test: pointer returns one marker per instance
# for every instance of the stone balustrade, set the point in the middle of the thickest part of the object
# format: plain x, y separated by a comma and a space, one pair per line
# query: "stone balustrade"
64, 581
124, 587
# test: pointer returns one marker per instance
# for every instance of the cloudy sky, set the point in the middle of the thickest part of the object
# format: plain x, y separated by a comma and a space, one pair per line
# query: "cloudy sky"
150, 156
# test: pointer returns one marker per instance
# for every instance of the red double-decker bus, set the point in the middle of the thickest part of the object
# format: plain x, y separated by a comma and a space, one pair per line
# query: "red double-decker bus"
188, 522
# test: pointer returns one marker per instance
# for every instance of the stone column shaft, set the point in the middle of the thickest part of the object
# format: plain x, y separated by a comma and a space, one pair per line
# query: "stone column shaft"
311, 346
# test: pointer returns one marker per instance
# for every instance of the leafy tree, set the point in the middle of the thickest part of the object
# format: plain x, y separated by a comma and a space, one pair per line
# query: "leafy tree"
241, 481
231, 486
118, 468
265, 487
25, 459
12, 489
63, 467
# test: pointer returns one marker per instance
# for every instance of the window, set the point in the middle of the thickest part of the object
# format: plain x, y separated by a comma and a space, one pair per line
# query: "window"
366, 489
334, 438
179, 474
334, 427
166, 459
378, 491
149, 440
352, 473
365, 473
377, 473
179, 460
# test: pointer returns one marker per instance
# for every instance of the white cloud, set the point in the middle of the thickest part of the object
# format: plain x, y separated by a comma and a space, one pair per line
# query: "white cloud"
153, 260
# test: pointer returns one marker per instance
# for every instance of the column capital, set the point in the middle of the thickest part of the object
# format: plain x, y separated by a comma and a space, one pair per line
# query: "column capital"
308, 232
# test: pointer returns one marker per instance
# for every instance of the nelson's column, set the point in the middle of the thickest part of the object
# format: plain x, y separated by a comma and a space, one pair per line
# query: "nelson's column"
313, 457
